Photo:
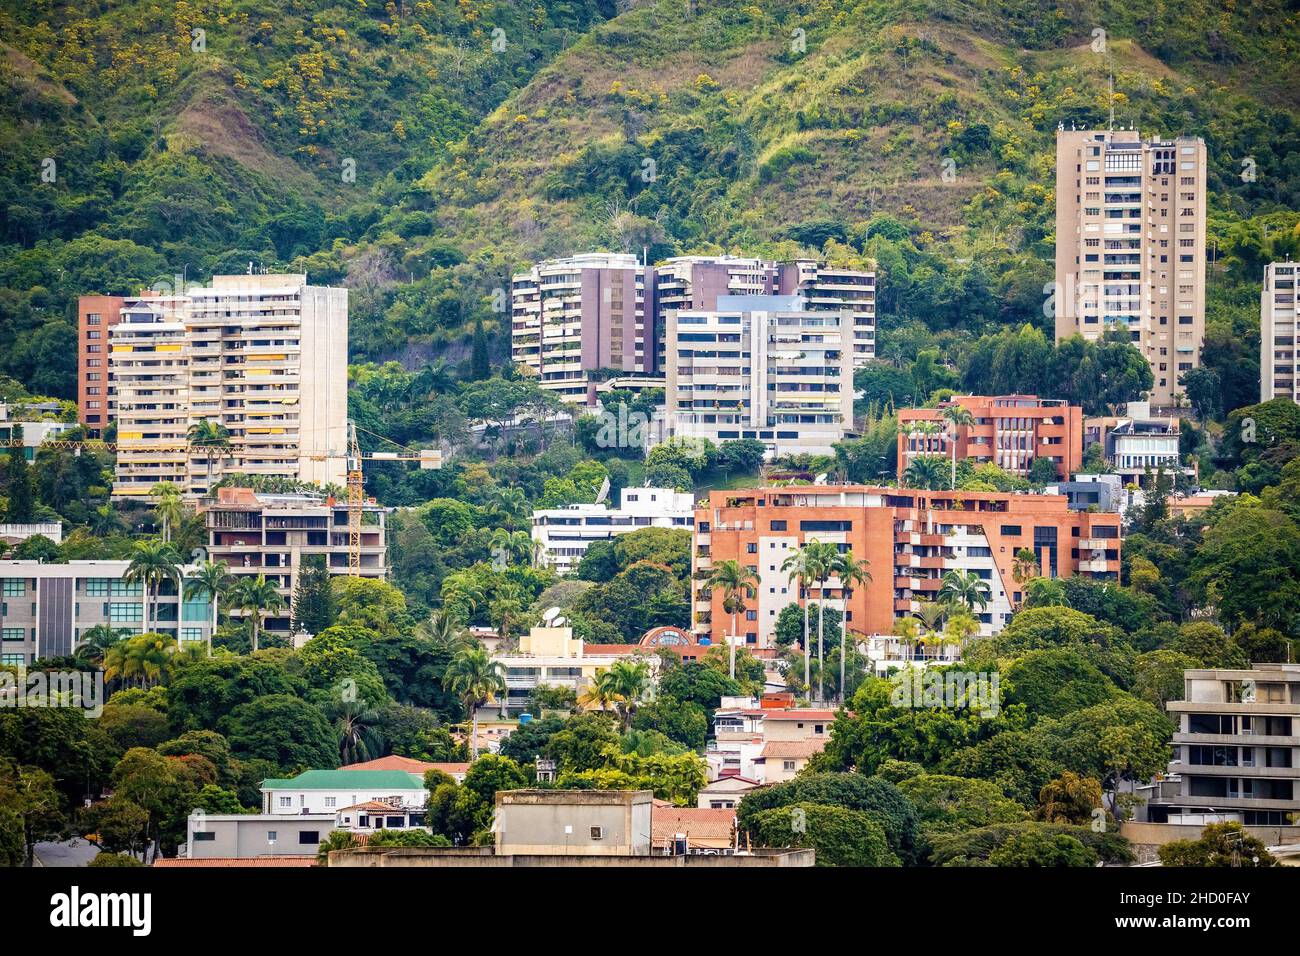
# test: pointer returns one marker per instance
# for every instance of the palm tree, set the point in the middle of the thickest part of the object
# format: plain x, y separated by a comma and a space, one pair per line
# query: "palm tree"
931, 615
823, 558
738, 583
925, 471
796, 569
214, 439
508, 604
474, 677
905, 629
212, 580
144, 657
257, 597
513, 545
956, 416
1045, 592
151, 564
964, 588
1025, 567
851, 573
354, 723
97, 640
440, 630
105, 521
601, 692
959, 628
630, 680
169, 507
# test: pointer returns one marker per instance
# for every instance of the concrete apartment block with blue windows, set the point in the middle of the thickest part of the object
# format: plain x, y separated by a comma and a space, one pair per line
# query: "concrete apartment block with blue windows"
46, 609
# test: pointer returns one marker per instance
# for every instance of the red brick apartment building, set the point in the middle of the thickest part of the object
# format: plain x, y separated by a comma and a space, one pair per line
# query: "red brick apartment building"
1009, 430
96, 315
910, 537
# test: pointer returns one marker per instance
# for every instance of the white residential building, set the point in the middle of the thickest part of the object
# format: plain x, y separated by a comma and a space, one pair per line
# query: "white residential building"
564, 534
330, 791
761, 367
1277, 333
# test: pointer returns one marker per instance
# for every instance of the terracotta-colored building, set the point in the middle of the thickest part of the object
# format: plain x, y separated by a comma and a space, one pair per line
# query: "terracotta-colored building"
96, 314
1009, 431
910, 537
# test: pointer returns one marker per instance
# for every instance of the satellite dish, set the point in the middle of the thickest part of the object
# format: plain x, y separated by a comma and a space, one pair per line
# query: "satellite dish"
552, 613
820, 479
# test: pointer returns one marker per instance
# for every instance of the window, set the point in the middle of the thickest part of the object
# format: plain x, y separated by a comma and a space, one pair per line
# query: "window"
204, 836
97, 587
788, 766
598, 833
15, 587
13, 660
125, 613
191, 634
308, 837
778, 526
331, 801
272, 836
13, 634
1011, 530
286, 801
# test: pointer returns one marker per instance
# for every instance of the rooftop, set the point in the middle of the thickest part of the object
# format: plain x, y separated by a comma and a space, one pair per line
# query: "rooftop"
347, 780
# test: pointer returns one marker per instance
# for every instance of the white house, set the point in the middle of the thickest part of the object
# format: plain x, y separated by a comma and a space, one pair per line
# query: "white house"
329, 791
564, 534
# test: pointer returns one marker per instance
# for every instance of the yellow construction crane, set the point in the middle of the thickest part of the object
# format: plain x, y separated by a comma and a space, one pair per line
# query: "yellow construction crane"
428, 458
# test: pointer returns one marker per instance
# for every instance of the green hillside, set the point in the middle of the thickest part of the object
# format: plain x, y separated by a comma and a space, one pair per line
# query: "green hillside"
915, 132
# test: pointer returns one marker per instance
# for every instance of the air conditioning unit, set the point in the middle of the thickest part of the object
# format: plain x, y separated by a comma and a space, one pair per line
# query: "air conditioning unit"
598, 833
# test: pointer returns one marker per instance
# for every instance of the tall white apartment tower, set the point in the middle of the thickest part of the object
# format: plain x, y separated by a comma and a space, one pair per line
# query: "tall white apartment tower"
1277, 332
264, 356
1130, 245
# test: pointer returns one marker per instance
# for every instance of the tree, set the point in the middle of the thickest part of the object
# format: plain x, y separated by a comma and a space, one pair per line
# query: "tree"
946, 804
314, 607
1220, 845
257, 597
474, 677
925, 471
1034, 848
287, 731
838, 835
214, 440
29, 808
96, 641
479, 366
151, 564
1070, 798
211, 579
354, 724
798, 572
852, 574
822, 558
146, 658
737, 584
630, 680
21, 507
964, 588
169, 506
956, 416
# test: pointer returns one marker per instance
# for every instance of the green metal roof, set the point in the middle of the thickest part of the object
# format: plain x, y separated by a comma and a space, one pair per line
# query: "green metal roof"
347, 780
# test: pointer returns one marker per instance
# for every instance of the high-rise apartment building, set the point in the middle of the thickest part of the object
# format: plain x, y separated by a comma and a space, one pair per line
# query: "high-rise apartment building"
911, 539
1277, 333
573, 316
1130, 246
275, 535
96, 317
264, 356
1010, 431
761, 367
1236, 755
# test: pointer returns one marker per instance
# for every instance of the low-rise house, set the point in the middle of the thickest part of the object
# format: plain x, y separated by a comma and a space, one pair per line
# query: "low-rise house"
781, 760
725, 792
257, 835
573, 822
329, 791
410, 765
677, 831
743, 729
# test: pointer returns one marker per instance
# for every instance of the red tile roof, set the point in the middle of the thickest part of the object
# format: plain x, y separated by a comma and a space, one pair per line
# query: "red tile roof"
702, 827
793, 749
226, 861
807, 713
409, 764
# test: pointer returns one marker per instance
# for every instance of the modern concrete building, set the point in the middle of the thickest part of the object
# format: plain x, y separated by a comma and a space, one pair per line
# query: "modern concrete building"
1010, 431
1130, 245
563, 535
1277, 333
910, 537
96, 317
1139, 444
212, 836
761, 367
46, 609
573, 822
553, 657
572, 316
579, 318
1236, 749
1091, 492
264, 356
257, 533
34, 431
